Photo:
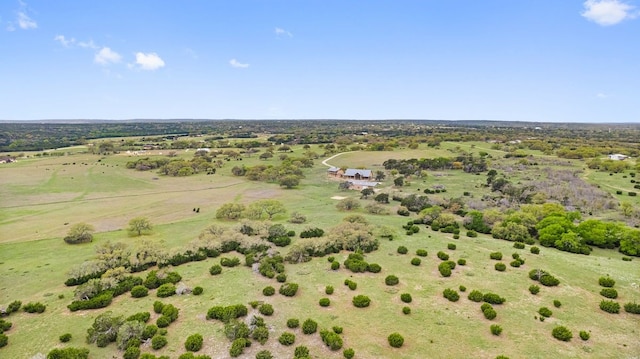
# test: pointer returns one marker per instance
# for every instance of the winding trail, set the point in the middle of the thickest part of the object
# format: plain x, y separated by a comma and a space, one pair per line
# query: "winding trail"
334, 156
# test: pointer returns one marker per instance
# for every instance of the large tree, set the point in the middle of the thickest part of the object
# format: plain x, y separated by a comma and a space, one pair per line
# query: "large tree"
139, 225
80, 233
230, 211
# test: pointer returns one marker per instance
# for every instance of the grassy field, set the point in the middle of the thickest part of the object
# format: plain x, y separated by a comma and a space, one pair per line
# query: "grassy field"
40, 195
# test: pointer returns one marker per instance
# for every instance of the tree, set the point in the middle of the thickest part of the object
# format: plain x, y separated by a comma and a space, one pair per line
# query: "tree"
348, 204
398, 181
270, 207
289, 181
104, 329
380, 175
230, 211
266, 155
129, 330
80, 233
366, 192
382, 198
139, 225
344, 185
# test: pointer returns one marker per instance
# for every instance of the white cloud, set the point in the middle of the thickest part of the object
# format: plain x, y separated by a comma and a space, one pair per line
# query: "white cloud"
282, 32
602, 95
607, 12
88, 45
64, 41
150, 61
25, 22
237, 64
107, 56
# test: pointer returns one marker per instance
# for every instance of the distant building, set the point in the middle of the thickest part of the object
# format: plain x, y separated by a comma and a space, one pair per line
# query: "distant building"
358, 178
618, 157
356, 174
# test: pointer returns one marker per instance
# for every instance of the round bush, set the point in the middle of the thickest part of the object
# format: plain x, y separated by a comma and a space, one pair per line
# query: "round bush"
65, 337
374, 268
607, 282
131, 352
293, 323
391, 280
633, 308
562, 333
266, 309
336, 329
237, 347
158, 306
610, 306
395, 340
406, 310
328, 289
324, 302
534, 250
335, 265
422, 253
149, 331
451, 246
456, 236
416, 261
500, 267
445, 269
288, 289
229, 262
264, 354
281, 278
490, 313
331, 258
609, 293
443, 256
545, 312
269, 291
348, 353
158, 342
406, 297
351, 284
166, 290
403, 250
462, 261
496, 329
584, 335
496, 255
476, 296
260, 334
193, 343
534, 289
451, 294
139, 291
197, 290
493, 298
301, 352
215, 269
163, 321
361, 301
287, 338
516, 263
472, 234
309, 326
4, 340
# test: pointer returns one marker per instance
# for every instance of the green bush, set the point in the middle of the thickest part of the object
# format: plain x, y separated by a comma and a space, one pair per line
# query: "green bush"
328, 289
131, 353
4, 340
476, 296
402, 250
416, 261
141, 317
264, 354
493, 298
193, 343
158, 306
395, 340
557, 303
562, 333
361, 301
293, 323
149, 331
607, 282
281, 278
534, 250
288, 289
462, 261
374, 268
260, 334
500, 267
309, 326
158, 342
139, 291
336, 329
445, 269
610, 306
451, 246
534, 289
422, 253
490, 313
406, 310
472, 234
287, 338
518, 245
451, 294
496, 329
462, 288
13, 306
163, 321
406, 297
443, 256
351, 284
516, 263
610, 293
324, 302
237, 347
335, 265
198, 290
391, 280
36, 307
166, 290
545, 312
496, 255
266, 309
348, 353
632, 308
229, 262
301, 352
215, 269
65, 337
584, 335
269, 291
331, 339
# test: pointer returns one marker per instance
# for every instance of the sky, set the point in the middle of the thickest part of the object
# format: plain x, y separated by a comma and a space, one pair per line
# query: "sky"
524, 60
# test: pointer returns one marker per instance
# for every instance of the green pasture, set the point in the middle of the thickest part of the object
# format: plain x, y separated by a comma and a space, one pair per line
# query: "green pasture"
40, 194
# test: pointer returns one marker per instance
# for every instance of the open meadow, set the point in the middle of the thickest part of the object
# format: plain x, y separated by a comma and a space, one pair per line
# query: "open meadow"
42, 196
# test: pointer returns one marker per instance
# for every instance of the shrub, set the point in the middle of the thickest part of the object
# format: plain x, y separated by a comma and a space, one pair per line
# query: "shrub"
312, 232
149, 331
584, 335
485, 306
309, 326
402, 250
65, 337
36, 307
215, 269
99, 301
422, 253
627, 259
557, 303
516, 263
335, 265
406, 297
139, 291
545, 312
607, 282
462, 261
13, 306
293, 323
193, 343
237, 347
287, 338
445, 269
451, 246
534, 250
406, 310
328, 289
158, 306
374, 268
493, 298
534, 289
131, 352
610, 306
331, 339
562, 333
518, 245
348, 353
163, 321
166, 290
391, 280
500, 267
260, 334
416, 261
395, 340
266, 309
451, 294
70, 352
264, 354
141, 317
4, 340
496, 255
197, 290
281, 278
549, 280
229, 262
496, 329
337, 329
610, 293
288, 289
158, 342
361, 301
443, 256
472, 234
490, 313
632, 308
475, 296
324, 302
301, 352
351, 284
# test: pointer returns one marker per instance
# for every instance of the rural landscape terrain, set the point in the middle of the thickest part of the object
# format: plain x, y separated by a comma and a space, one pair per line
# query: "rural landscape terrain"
319, 239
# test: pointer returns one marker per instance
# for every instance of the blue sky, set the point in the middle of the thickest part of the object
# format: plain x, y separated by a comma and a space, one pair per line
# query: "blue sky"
524, 60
